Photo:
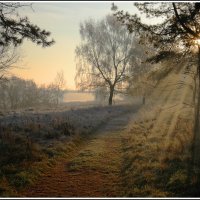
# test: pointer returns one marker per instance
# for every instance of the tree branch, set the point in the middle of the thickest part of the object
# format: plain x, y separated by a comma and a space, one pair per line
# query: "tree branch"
186, 28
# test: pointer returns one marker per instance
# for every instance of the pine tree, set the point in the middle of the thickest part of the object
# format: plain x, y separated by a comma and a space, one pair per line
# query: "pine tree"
14, 28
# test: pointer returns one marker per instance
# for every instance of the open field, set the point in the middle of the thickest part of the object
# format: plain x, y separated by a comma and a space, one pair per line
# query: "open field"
87, 150
31, 141
93, 171
99, 99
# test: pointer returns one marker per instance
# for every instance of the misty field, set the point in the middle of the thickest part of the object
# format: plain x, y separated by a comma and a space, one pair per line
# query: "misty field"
31, 141
121, 119
85, 149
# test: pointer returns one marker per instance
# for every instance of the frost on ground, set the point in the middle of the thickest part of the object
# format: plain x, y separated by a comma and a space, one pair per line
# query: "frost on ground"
31, 142
56, 123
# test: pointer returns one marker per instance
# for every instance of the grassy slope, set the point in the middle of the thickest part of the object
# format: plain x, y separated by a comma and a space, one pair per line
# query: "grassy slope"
157, 147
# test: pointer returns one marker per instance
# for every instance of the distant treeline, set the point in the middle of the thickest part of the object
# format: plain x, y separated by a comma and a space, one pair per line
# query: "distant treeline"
18, 93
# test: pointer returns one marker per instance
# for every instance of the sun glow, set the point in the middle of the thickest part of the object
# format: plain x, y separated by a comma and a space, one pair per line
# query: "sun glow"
197, 41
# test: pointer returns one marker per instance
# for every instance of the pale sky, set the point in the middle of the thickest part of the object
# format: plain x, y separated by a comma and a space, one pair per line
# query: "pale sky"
62, 19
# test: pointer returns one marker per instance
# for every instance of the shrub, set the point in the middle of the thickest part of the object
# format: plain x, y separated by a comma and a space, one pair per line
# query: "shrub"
21, 179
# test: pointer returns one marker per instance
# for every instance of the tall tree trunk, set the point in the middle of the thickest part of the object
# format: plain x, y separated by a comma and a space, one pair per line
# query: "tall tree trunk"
111, 95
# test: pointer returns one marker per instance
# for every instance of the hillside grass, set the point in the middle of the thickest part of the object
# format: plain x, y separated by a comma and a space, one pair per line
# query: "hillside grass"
156, 166
157, 147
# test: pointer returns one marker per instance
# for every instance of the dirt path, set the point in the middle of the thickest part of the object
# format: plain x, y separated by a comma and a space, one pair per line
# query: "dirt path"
94, 171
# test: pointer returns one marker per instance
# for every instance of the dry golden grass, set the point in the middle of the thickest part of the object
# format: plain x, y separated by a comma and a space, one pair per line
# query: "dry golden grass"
157, 145
152, 168
156, 160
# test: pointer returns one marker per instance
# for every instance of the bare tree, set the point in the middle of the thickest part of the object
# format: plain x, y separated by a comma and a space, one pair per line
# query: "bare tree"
140, 83
104, 54
18, 93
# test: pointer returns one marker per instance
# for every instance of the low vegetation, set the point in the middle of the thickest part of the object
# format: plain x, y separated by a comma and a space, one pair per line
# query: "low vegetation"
156, 164
32, 143
146, 150
157, 147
